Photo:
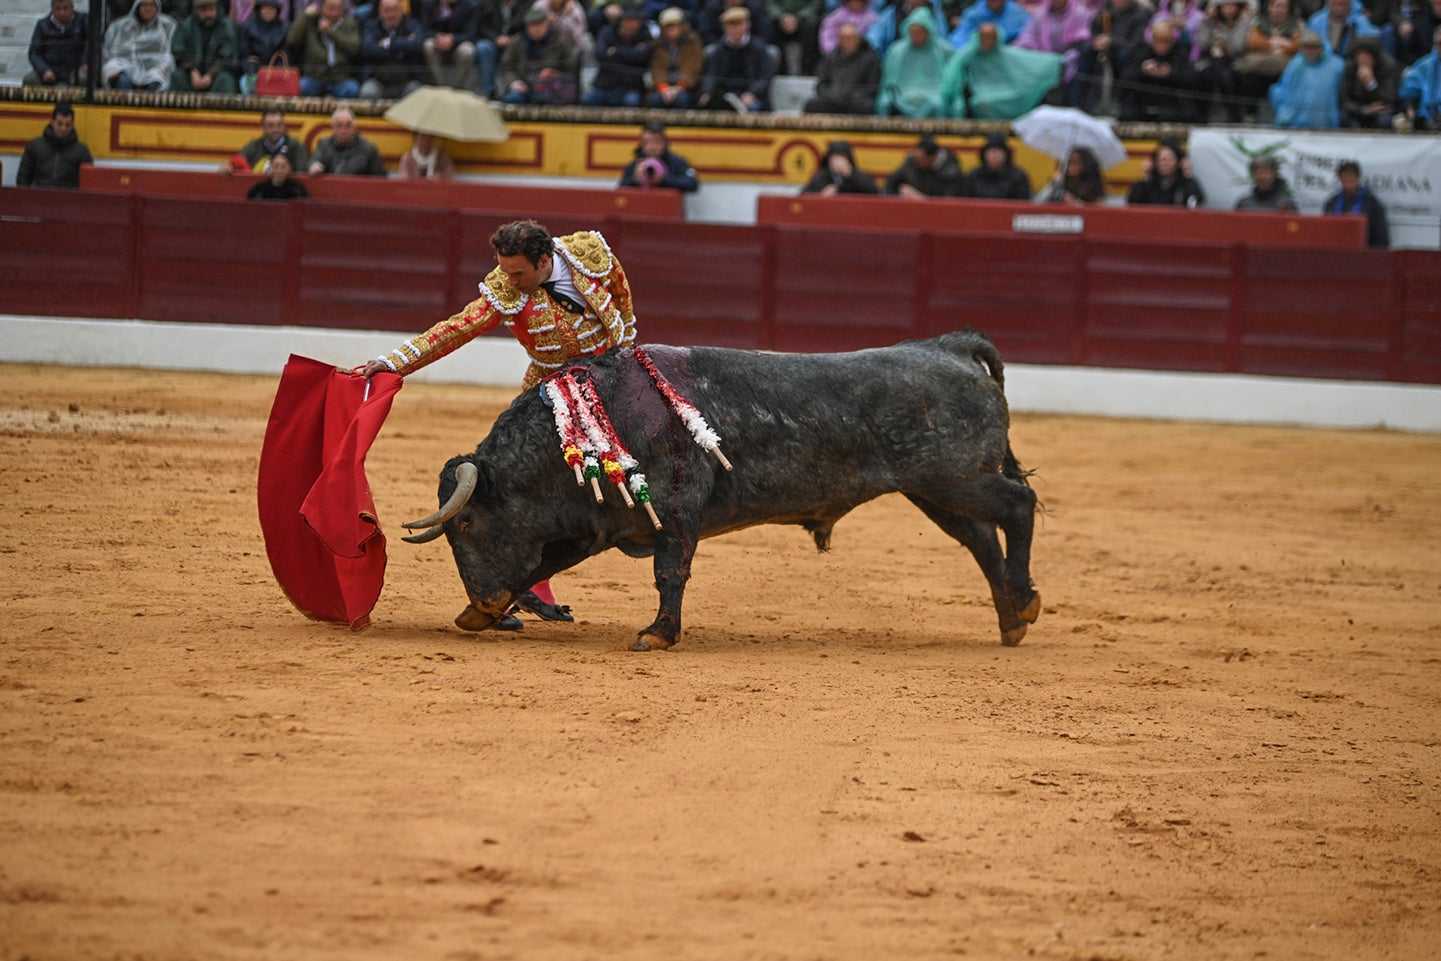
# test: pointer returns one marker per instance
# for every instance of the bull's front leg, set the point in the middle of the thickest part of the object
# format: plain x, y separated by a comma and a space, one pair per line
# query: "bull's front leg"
674, 548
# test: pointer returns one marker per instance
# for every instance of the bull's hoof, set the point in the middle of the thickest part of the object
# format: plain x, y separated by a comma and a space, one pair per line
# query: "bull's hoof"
1032, 610
1014, 636
474, 619
651, 642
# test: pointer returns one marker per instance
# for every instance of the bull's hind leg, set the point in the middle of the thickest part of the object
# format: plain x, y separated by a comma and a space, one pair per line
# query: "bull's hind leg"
674, 549
972, 517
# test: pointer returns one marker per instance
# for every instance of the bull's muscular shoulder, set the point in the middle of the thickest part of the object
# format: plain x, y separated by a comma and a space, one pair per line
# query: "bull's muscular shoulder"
588, 249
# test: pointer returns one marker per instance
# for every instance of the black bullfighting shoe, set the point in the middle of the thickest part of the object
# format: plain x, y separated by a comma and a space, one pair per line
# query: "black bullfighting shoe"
546, 612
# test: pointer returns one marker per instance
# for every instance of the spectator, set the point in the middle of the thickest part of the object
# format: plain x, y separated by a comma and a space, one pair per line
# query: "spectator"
1117, 32
656, 166
998, 178
261, 35
838, 173
1008, 15
512, 26
929, 170
676, 62
795, 29
425, 160
1168, 180
539, 68
1415, 27
738, 69
857, 13
327, 41
1274, 39
913, 69
1369, 87
568, 21
58, 47
137, 49
711, 27
1078, 182
206, 48
1354, 198
622, 55
989, 80
345, 151
1060, 26
891, 17
390, 49
278, 184
1308, 95
1420, 96
53, 159
452, 45
1268, 188
273, 140
848, 77
1160, 86
1185, 18
1339, 24
1220, 42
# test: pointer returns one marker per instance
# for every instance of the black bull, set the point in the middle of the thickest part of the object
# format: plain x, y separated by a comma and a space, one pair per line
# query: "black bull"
811, 437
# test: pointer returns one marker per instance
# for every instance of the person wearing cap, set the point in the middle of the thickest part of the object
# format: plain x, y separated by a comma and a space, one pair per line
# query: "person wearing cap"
327, 40
929, 170
273, 139
1168, 181
1420, 95
676, 61
997, 177
656, 166
1269, 190
838, 173
137, 49
540, 67
622, 56
1308, 95
848, 77
206, 47
564, 299
738, 69
1355, 198
262, 33
712, 29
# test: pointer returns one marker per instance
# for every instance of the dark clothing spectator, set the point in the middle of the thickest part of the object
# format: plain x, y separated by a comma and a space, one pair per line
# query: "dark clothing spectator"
58, 46
206, 48
53, 160
1369, 87
1269, 191
847, 82
997, 178
1123, 24
655, 165
708, 21
267, 189
622, 56
390, 51
1160, 85
736, 70
327, 44
929, 170
1362, 201
261, 35
539, 66
838, 173
458, 35
358, 157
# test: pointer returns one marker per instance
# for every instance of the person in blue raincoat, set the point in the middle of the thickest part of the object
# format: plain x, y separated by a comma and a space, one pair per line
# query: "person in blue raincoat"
988, 80
913, 68
1308, 95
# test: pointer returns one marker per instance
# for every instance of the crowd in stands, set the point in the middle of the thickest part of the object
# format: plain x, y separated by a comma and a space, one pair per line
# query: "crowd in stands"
1295, 63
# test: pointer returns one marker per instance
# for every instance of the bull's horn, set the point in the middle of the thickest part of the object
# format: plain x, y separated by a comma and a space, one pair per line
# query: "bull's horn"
465, 478
425, 537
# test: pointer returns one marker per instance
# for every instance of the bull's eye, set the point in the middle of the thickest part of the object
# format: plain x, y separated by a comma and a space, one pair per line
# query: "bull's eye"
464, 526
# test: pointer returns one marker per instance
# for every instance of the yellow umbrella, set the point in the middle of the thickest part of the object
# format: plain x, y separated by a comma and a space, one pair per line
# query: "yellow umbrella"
449, 113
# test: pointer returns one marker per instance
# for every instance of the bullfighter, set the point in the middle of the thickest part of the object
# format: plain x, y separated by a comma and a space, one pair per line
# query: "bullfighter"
564, 298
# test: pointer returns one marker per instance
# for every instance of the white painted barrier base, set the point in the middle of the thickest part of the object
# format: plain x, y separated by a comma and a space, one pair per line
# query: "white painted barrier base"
495, 361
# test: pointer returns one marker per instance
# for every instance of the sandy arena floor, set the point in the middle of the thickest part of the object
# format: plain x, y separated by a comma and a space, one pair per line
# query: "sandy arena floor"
1222, 739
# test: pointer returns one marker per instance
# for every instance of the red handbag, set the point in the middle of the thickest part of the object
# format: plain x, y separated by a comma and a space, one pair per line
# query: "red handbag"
282, 81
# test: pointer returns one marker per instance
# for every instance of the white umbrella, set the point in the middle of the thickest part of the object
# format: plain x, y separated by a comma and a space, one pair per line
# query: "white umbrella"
452, 114
1056, 131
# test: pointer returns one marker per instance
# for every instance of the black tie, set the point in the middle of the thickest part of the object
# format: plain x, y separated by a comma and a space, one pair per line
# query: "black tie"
569, 303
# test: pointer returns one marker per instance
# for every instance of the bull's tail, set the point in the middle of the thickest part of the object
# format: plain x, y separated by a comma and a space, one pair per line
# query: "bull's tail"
979, 346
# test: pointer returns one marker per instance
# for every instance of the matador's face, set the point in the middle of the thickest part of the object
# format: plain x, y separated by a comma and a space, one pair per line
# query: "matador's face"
525, 276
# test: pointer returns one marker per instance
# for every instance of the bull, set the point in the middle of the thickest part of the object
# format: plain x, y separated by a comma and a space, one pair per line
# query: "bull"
812, 436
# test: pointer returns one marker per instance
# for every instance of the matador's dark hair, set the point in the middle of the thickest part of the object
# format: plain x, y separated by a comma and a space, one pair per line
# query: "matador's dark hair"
523, 237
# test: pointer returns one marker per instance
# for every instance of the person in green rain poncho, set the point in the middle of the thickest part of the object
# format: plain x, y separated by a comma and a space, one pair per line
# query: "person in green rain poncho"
912, 69
988, 80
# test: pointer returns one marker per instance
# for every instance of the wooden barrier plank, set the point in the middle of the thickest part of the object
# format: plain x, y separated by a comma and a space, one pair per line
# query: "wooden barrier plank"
91, 237
1418, 340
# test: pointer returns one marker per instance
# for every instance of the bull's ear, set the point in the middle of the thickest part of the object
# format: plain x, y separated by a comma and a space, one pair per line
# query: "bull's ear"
488, 484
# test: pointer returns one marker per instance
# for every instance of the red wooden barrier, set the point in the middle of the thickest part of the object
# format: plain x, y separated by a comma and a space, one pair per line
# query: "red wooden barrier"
65, 255
519, 200
944, 214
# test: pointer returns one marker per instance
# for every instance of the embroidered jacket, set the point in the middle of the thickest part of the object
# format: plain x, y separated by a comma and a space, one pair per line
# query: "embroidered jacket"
550, 335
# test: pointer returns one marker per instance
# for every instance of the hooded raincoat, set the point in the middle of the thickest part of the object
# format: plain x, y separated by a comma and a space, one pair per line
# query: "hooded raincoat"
999, 84
139, 49
911, 76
